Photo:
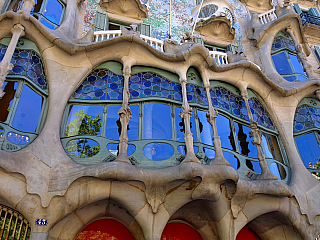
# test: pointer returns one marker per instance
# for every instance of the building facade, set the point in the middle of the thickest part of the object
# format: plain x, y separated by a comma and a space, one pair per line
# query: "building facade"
157, 120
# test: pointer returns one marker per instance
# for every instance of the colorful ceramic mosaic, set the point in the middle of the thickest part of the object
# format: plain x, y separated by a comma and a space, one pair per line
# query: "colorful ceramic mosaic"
283, 42
259, 114
149, 84
100, 84
27, 63
306, 117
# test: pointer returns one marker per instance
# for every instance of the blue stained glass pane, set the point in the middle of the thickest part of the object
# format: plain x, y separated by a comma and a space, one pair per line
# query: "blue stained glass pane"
205, 128
158, 151
244, 141
47, 24
303, 119
17, 138
232, 159
157, 121
281, 63
225, 133
84, 120
133, 131
113, 130
53, 11
28, 111
290, 78
296, 64
308, 148
181, 128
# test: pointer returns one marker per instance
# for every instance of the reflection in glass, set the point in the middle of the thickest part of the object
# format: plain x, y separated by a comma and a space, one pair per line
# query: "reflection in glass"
17, 138
308, 148
83, 147
182, 149
113, 123
281, 63
278, 170
254, 166
232, 159
296, 64
28, 111
180, 125
157, 121
271, 147
158, 151
210, 153
47, 24
133, 128
53, 11
244, 141
225, 133
6, 101
113, 148
83, 120
205, 128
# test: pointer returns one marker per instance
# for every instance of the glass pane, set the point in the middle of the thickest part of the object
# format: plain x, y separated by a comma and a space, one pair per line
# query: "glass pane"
308, 148
271, 147
234, 162
83, 120
53, 11
158, 151
278, 170
113, 148
113, 123
133, 129
225, 133
182, 149
296, 64
302, 78
157, 121
205, 128
17, 138
28, 111
180, 125
5, 103
83, 147
131, 149
281, 63
291, 78
254, 166
244, 141
210, 153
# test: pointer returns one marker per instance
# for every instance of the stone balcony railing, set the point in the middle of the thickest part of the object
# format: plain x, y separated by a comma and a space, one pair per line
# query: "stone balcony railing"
268, 16
221, 57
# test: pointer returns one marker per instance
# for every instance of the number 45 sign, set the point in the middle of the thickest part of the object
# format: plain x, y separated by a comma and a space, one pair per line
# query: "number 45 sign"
42, 222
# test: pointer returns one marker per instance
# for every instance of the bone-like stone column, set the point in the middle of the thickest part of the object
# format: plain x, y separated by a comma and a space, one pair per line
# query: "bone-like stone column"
125, 114
186, 115
212, 119
301, 55
28, 5
266, 174
5, 65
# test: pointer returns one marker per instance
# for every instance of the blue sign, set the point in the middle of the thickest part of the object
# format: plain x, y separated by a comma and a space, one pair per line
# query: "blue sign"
42, 222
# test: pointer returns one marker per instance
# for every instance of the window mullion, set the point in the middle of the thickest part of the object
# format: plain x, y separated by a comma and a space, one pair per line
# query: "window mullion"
235, 137
15, 102
104, 120
140, 137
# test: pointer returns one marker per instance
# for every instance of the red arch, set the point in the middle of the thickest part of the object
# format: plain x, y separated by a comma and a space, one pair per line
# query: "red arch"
247, 234
179, 231
105, 229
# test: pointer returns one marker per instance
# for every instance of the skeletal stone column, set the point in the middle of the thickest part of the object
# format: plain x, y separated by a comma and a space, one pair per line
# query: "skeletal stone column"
266, 174
186, 115
212, 119
125, 116
5, 65
28, 5
301, 55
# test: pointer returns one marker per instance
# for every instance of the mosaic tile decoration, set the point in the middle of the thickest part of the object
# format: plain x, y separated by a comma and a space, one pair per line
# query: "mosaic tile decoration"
27, 63
225, 99
148, 84
100, 84
283, 42
259, 114
306, 117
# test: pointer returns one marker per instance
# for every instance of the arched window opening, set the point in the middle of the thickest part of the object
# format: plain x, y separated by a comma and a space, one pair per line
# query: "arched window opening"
306, 131
285, 59
24, 104
247, 234
180, 231
105, 229
13, 225
49, 12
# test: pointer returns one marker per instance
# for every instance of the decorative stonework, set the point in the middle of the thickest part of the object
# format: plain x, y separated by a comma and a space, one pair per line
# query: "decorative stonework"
259, 6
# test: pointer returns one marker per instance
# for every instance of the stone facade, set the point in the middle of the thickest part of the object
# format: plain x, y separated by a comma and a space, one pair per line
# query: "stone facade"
41, 178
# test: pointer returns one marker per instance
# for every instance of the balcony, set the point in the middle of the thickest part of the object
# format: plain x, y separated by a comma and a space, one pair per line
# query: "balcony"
221, 57
311, 24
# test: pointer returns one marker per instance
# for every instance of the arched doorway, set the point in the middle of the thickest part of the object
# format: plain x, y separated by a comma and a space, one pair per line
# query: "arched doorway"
247, 234
105, 229
179, 231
